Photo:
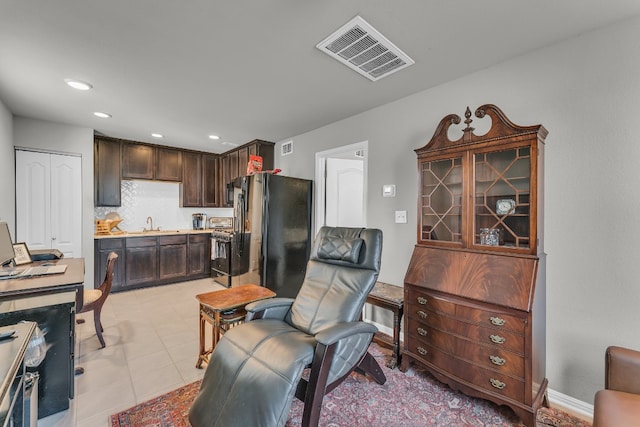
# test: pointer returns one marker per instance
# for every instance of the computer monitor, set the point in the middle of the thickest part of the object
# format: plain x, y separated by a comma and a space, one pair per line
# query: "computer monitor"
6, 245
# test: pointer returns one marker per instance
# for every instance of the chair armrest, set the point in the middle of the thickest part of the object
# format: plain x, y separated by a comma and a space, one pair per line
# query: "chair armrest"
335, 333
622, 370
273, 308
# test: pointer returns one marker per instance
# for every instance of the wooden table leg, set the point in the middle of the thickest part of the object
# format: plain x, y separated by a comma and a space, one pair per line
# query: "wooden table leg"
216, 329
395, 359
201, 349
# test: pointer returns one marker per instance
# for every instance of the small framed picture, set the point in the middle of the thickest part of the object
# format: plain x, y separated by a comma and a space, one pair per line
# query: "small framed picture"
23, 256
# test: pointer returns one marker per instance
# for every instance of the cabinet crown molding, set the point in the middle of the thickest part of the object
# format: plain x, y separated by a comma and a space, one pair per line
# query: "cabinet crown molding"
501, 128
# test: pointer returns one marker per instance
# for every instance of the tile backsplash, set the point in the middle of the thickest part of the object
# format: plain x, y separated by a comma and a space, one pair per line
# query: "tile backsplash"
158, 200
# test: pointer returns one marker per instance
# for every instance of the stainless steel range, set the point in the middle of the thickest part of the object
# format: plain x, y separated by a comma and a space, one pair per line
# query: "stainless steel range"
222, 248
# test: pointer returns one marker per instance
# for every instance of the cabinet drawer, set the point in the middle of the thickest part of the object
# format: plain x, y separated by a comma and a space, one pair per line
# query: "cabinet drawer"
488, 317
110, 243
423, 299
490, 357
199, 238
139, 242
172, 240
486, 378
490, 336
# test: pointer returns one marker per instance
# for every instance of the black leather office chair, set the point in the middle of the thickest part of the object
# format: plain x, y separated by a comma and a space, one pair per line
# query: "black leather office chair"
255, 369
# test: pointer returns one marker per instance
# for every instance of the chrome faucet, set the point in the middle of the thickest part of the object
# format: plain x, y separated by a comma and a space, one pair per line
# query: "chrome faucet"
149, 221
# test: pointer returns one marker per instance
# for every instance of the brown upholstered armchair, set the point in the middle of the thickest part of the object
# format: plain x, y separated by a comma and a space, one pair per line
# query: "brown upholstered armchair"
619, 403
256, 368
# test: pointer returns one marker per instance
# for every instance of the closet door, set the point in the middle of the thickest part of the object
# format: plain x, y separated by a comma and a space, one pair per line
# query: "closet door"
66, 204
48, 201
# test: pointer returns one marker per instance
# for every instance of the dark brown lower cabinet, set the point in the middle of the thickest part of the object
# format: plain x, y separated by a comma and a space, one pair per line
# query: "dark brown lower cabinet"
199, 258
102, 249
141, 260
173, 257
153, 260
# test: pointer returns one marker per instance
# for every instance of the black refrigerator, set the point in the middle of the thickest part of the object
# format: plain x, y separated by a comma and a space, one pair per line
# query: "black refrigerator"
272, 232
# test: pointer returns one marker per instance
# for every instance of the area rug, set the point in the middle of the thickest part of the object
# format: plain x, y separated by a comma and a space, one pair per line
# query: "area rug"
410, 399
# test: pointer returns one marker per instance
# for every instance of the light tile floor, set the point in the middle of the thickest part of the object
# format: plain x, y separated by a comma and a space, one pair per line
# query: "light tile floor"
151, 348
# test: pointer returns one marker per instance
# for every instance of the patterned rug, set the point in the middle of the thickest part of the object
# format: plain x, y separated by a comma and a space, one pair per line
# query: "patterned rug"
411, 399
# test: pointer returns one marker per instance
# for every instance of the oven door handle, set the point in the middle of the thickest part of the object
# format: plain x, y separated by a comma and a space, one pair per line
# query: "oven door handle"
238, 234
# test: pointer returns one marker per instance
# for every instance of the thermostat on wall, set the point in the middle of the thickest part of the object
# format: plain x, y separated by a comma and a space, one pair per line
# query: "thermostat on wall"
389, 190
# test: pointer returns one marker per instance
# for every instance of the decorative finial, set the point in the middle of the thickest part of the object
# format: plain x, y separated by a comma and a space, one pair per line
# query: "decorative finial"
467, 115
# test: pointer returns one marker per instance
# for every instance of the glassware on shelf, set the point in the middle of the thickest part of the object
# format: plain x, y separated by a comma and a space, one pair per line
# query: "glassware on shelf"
489, 236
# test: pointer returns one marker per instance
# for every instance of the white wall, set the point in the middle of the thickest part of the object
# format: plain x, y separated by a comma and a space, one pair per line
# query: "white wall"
55, 137
7, 169
586, 92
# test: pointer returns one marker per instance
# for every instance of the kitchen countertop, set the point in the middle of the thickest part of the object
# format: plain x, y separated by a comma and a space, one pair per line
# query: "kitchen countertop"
168, 232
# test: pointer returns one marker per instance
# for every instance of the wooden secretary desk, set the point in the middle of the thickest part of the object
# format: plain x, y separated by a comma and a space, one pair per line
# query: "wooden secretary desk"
475, 285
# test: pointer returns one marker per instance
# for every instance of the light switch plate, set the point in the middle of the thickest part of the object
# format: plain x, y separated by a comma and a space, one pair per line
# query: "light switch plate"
401, 217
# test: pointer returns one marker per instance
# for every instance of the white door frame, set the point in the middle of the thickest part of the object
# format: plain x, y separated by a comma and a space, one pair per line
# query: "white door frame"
320, 178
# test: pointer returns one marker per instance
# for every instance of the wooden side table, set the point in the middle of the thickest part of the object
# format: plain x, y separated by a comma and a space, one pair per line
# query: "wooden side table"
389, 297
224, 309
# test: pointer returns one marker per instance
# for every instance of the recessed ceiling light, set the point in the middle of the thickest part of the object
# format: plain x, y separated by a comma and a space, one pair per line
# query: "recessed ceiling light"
157, 135
214, 137
102, 115
78, 84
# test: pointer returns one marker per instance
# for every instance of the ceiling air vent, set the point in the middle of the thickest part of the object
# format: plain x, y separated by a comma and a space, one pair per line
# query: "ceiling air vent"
360, 47
286, 148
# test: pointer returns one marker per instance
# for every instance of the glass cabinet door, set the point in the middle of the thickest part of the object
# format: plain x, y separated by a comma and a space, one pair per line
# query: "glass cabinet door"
441, 204
502, 191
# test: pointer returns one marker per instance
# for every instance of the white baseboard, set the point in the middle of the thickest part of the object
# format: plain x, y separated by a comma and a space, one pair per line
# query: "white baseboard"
570, 405
558, 400
382, 328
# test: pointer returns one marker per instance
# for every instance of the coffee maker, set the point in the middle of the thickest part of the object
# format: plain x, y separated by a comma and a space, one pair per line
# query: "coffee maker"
199, 221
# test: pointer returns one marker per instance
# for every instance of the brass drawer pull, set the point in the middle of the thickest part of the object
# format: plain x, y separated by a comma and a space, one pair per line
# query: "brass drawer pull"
422, 332
497, 321
497, 384
422, 314
422, 351
497, 360
498, 339
422, 300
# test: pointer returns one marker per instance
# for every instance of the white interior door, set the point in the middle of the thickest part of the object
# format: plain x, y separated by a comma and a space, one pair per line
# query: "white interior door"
48, 201
340, 190
344, 193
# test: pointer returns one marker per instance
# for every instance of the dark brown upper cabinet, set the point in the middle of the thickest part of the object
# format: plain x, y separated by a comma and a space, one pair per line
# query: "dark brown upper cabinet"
263, 149
138, 161
106, 169
191, 188
243, 160
168, 164
233, 166
204, 176
234, 162
210, 180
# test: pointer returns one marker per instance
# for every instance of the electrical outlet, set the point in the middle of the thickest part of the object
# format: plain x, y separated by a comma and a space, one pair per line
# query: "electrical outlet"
401, 217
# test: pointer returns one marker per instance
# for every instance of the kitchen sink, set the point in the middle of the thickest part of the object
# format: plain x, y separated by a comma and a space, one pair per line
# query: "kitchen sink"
146, 232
